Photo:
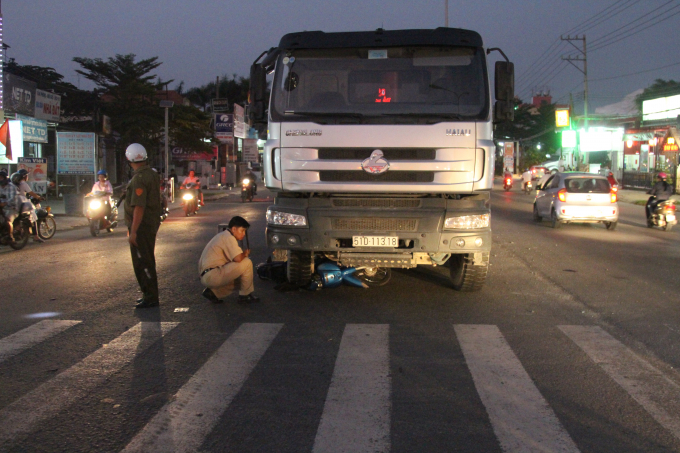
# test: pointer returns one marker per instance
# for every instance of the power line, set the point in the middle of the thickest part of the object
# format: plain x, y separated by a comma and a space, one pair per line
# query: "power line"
625, 7
603, 41
635, 73
577, 29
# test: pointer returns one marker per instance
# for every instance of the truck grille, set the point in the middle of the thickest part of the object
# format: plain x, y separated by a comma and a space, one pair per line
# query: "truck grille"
362, 176
376, 203
374, 224
389, 153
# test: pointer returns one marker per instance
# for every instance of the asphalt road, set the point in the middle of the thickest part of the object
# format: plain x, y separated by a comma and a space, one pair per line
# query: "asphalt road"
571, 346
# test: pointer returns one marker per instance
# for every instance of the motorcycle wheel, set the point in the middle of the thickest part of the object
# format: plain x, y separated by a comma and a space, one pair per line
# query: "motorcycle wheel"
94, 227
47, 227
243, 198
667, 227
376, 276
21, 234
507, 189
186, 209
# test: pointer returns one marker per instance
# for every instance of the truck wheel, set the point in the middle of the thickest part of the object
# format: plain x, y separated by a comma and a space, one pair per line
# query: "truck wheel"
466, 276
299, 269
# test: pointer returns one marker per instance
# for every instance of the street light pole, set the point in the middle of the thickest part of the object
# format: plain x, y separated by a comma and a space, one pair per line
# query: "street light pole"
167, 105
446, 13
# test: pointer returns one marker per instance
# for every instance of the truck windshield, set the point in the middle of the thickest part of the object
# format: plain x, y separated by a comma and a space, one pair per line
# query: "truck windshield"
392, 85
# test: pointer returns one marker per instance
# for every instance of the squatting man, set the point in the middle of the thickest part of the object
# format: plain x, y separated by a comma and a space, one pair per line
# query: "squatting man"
224, 266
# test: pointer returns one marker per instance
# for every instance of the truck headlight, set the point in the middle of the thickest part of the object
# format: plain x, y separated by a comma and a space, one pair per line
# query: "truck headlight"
467, 222
285, 218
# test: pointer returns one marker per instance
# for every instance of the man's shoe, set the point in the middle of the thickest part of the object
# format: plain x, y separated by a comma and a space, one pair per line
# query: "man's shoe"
210, 295
147, 304
249, 299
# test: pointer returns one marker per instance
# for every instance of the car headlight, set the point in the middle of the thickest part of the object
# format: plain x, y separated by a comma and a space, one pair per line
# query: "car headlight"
468, 222
187, 196
285, 218
95, 204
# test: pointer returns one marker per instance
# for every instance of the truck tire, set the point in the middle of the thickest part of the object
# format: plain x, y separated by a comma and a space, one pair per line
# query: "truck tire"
466, 276
299, 269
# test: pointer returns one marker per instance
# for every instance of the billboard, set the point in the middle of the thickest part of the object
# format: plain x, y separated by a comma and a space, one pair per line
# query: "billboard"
47, 106
250, 152
37, 172
178, 153
75, 153
19, 95
224, 123
35, 131
220, 105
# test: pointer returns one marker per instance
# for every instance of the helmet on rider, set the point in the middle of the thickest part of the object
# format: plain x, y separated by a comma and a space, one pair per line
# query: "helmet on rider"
23, 172
3, 178
17, 178
662, 175
136, 153
102, 173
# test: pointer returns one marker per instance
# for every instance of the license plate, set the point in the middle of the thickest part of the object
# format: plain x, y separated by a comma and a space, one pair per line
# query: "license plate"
375, 241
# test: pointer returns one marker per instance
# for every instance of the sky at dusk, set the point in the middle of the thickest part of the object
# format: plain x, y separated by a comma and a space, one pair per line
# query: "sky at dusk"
198, 40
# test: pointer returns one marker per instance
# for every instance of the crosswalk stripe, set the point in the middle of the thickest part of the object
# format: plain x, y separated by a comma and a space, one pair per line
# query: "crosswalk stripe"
519, 415
30, 336
54, 395
177, 427
657, 394
356, 414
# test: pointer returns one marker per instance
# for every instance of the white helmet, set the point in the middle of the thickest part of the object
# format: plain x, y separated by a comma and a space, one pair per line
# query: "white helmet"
135, 153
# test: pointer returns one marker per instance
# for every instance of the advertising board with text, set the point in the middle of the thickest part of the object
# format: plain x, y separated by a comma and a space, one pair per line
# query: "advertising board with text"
35, 131
250, 152
47, 106
75, 153
37, 172
178, 154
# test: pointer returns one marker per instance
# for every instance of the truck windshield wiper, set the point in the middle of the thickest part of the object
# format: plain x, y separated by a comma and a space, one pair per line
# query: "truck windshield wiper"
452, 116
326, 114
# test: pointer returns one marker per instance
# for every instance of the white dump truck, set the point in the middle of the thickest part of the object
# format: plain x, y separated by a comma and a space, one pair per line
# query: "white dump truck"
380, 150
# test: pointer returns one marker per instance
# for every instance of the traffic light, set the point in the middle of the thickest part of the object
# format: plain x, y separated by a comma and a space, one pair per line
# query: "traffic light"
562, 118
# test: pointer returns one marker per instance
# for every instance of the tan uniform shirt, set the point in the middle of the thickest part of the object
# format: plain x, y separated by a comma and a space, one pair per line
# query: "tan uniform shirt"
221, 249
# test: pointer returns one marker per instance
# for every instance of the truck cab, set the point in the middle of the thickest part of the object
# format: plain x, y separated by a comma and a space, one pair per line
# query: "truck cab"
380, 150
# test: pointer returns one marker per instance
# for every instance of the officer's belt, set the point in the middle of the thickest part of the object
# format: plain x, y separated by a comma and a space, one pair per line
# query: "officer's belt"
207, 270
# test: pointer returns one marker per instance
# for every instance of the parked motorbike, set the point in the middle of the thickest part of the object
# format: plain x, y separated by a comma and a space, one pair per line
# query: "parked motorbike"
190, 199
101, 213
527, 187
507, 183
21, 227
247, 190
663, 215
47, 225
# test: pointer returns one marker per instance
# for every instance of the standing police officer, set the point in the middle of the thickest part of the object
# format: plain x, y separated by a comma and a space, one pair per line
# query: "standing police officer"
142, 216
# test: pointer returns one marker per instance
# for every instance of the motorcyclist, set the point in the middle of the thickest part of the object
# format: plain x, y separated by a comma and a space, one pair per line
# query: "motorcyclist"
526, 178
103, 184
612, 180
193, 179
661, 191
23, 191
253, 180
8, 202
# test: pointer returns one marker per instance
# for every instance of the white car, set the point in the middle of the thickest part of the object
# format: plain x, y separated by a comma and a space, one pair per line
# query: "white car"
578, 198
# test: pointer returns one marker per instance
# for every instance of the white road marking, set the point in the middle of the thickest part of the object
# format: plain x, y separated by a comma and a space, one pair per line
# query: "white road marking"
519, 415
50, 398
183, 424
30, 336
356, 415
647, 385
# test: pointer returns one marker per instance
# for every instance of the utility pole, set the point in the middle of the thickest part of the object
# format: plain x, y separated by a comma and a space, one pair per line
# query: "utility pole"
446, 13
583, 58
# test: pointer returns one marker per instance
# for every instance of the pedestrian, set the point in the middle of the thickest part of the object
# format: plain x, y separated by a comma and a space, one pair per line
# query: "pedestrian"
142, 216
224, 266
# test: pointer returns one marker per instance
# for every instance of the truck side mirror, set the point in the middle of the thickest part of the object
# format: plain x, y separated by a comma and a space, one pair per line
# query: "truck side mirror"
505, 91
258, 89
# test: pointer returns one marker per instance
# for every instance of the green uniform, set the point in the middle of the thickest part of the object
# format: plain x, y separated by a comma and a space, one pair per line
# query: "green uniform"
144, 190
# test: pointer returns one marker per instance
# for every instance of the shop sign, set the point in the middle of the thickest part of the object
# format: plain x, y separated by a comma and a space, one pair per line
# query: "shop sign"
19, 95
250, 152
224, 137
47, 106
661, 108
220, 105
190, 154
37, 172
224, 123
35, 131
75, 153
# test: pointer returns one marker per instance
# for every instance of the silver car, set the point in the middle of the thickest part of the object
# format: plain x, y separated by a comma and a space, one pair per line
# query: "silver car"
577, 197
